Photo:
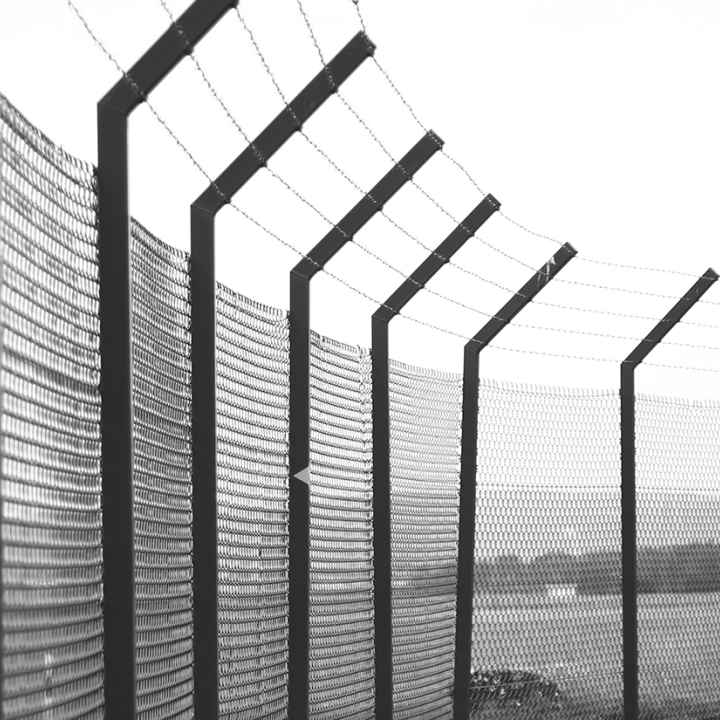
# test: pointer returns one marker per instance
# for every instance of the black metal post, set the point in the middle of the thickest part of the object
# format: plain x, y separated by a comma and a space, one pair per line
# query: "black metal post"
299, 462
202, 281
115, 350
631, 680
468, 469
381, 443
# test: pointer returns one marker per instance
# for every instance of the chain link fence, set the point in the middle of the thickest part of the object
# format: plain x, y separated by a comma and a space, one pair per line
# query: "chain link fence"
678, 466
52, 626
161, 477
341, 571
252, 416
425, 464
547, 630
547, 622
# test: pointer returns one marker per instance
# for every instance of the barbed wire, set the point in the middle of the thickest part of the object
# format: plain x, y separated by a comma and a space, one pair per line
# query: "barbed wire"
400, 228
580, 283
349, 179
671, 366
347, 237
364, 124
525, 228
404, 231
300, 196
186, 151
378, 258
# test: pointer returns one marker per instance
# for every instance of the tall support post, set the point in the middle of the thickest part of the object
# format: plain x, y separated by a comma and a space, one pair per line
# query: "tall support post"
468, 468
631, 681
115, 346
380, 353
299, 463
202, 283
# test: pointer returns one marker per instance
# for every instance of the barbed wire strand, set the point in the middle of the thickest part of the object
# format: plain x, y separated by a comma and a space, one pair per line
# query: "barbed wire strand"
377, 140
347, 177
509, 256
525, 228
213, 90
186, 151
403, 230
300, 196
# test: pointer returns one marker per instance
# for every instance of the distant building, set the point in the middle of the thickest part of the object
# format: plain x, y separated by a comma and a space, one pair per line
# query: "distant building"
561, 591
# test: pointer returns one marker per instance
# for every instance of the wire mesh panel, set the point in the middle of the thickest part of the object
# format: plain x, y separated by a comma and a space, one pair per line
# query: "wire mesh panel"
252, 467
341, 575
425, 409
547, 622
50, 467
678, 481
162, 478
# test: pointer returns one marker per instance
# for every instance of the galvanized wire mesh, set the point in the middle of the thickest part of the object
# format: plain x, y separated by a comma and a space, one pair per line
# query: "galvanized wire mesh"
678, 474
425, 409
547, 633
162, 465
341, 575
252, 471
52, 645
547, 604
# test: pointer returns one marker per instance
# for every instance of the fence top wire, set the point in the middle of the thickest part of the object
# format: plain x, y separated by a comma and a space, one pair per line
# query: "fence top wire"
541, 236
596, 286
414, 238
186, 151
300, 196
213, 90
404, 231
346, 175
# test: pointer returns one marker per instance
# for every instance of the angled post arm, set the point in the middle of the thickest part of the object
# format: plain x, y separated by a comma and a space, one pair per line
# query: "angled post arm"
631, 682
203, 351
115, 345
381, 441
468, 468
299, 463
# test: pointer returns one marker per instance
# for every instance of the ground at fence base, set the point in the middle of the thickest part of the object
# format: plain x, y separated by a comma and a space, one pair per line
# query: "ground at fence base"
523, 695
573, 710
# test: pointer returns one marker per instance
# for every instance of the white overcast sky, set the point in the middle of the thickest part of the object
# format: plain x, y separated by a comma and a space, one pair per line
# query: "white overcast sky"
593, 122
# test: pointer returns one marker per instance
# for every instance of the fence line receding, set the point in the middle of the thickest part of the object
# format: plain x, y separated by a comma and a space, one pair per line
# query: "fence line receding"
546, 554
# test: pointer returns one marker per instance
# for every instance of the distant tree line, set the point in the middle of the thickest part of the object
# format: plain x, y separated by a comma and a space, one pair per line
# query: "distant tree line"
690, 568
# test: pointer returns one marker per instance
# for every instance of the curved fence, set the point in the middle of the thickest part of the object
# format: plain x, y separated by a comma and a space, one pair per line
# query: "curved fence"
547, 614
161, 477
252, 410
52, 621
424, 466
341, 581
